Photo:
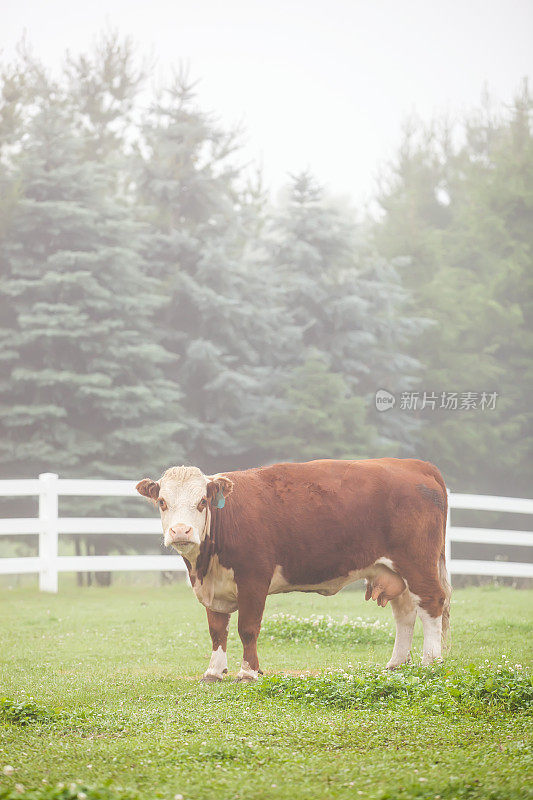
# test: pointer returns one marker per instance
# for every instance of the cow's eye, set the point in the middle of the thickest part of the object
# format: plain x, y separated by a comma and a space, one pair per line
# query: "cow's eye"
162, 505
202, 504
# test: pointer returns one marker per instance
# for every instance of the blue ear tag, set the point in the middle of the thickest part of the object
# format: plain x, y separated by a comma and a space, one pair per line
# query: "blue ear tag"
221, 500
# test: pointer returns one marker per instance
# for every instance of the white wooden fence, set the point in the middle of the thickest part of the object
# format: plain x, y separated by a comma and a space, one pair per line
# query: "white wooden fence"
48, 487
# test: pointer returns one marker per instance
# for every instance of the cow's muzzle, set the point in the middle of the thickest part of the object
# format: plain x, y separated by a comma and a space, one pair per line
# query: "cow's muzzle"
180, 534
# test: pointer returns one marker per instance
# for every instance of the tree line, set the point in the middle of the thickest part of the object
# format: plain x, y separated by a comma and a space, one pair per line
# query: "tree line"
157, 308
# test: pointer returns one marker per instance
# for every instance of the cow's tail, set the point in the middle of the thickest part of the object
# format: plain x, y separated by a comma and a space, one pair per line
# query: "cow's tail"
443, 571
447, 588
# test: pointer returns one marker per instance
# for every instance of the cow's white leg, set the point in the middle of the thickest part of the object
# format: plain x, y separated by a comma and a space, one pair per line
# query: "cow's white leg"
218, 665
246, 673
218, 628
404, 610
432, 636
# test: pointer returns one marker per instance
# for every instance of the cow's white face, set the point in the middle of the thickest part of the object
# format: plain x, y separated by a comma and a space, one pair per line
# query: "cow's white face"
183, 495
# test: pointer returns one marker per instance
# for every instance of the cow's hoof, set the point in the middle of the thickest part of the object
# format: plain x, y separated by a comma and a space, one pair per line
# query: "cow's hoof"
245, 678
210, 678
397, 664
430, 661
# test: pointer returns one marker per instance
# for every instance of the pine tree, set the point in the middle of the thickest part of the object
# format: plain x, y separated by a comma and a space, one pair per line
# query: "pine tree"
461, 214
321, 418
102, 90
84, 382
223, 316
347, 301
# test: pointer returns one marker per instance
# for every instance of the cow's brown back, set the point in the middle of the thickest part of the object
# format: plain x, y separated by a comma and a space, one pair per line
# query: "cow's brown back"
322, 519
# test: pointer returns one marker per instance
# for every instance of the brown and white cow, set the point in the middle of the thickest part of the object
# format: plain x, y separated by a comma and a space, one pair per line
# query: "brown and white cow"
312, 527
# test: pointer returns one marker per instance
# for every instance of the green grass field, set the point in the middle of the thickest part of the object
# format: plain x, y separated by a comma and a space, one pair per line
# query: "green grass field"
101, 690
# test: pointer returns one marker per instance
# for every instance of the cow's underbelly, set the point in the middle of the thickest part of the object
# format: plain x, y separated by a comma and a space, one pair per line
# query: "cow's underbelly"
218, 590
279, 584
375, 572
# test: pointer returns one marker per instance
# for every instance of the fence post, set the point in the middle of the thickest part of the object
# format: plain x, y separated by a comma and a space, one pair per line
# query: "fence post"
48, 512
447, 542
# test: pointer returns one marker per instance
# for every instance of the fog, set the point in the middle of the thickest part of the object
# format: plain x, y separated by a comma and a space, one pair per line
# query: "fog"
235, 234
325, 86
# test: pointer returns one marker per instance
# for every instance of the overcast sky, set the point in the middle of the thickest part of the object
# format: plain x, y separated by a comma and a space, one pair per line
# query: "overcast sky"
323, 84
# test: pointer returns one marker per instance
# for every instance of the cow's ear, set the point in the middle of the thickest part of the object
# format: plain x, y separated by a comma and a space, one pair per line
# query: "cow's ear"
225, 485
148, 488
218, 488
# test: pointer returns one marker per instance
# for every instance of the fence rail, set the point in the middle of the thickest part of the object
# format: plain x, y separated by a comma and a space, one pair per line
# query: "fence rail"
49, 525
